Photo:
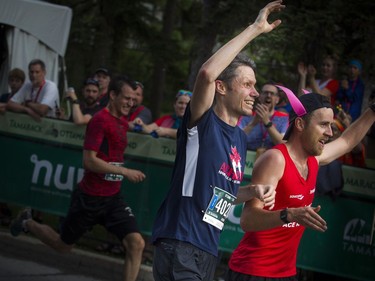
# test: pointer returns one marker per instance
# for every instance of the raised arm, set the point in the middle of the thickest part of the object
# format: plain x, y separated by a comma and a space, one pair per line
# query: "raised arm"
302, 72
204, 89
349, 138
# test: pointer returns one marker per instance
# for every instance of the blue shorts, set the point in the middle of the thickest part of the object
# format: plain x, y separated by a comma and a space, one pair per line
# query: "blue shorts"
177, 260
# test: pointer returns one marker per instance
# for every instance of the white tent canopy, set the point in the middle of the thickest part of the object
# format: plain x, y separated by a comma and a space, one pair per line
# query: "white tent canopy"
37, 30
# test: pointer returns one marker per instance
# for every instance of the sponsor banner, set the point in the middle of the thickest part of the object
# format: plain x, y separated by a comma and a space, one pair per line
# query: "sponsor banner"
64, 133
43, 176
347, 248
359, 181
145, 146
42, 164
67, 134
21, 125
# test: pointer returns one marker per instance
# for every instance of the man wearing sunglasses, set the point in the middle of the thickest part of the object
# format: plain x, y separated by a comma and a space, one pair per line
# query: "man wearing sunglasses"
266, 126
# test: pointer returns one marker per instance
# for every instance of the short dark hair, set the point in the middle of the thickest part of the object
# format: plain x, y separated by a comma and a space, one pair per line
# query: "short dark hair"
118, 82
229, 73
17, 73
36, 62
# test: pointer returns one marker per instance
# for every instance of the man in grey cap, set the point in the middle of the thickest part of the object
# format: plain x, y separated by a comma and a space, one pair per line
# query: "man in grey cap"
269, 246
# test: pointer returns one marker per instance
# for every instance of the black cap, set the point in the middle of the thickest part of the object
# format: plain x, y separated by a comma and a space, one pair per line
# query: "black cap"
103, 70
310, 102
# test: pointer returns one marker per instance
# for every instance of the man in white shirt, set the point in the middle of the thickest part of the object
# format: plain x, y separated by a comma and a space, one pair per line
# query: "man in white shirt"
38, 97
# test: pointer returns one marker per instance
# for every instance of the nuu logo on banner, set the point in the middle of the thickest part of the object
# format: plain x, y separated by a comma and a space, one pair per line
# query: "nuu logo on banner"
53, 175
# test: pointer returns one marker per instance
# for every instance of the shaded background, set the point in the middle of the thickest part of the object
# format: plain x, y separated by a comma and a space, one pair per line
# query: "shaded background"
162, 43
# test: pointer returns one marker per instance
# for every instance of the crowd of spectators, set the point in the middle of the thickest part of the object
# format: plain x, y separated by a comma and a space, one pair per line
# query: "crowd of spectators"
39, 98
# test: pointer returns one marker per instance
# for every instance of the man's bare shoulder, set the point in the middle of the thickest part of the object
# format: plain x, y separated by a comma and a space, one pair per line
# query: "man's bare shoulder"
273, 156
270, 160
269, 167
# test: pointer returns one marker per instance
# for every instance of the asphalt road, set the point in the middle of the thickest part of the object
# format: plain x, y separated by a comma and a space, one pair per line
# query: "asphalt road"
25, 258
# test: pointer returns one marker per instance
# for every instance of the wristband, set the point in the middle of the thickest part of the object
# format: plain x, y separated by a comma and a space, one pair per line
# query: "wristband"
268, 125
137, 128
75, 101
372, 106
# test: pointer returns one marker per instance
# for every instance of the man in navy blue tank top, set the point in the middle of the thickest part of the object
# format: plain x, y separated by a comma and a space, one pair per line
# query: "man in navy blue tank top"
210, 161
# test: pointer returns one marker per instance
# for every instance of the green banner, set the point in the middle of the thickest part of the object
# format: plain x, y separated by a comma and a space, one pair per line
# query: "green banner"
347, 248
41, 164
359, 182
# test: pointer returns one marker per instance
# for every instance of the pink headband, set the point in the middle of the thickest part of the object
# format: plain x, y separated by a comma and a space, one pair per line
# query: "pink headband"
305, 91
297, 106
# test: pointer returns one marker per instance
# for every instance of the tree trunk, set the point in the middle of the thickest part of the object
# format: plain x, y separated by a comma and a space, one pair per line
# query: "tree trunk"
160, 61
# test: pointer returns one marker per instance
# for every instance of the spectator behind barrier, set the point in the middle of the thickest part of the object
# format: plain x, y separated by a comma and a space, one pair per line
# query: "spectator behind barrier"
326, 85
16, 78
82, 111
266, 126
139, 110
167, 125
103, 75
38, 97
356, 157
352, 90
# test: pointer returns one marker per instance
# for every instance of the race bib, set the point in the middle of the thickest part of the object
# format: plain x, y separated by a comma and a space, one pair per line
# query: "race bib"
114, 177
218, 209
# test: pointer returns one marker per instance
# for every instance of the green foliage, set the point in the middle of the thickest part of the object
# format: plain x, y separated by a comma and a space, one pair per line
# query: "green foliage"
163, 42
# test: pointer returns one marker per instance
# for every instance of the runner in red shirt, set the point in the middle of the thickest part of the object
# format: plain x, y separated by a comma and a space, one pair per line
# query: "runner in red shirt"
97, 199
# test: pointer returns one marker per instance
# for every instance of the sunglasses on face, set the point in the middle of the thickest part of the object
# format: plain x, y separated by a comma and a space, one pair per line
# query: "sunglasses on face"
139, 84
92, 81
183, 92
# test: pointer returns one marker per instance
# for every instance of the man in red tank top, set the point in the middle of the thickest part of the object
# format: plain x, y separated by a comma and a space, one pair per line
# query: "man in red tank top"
268, 249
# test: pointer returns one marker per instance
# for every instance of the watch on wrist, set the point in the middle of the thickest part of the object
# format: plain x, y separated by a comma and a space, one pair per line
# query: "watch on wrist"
76, 101
372, 106
284, 215
269, 124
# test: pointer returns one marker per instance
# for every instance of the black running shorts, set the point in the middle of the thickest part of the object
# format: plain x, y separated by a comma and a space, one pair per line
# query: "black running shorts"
85, 211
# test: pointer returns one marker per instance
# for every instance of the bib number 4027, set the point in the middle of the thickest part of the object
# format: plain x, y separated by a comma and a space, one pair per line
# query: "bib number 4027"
218, 208
222, 207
